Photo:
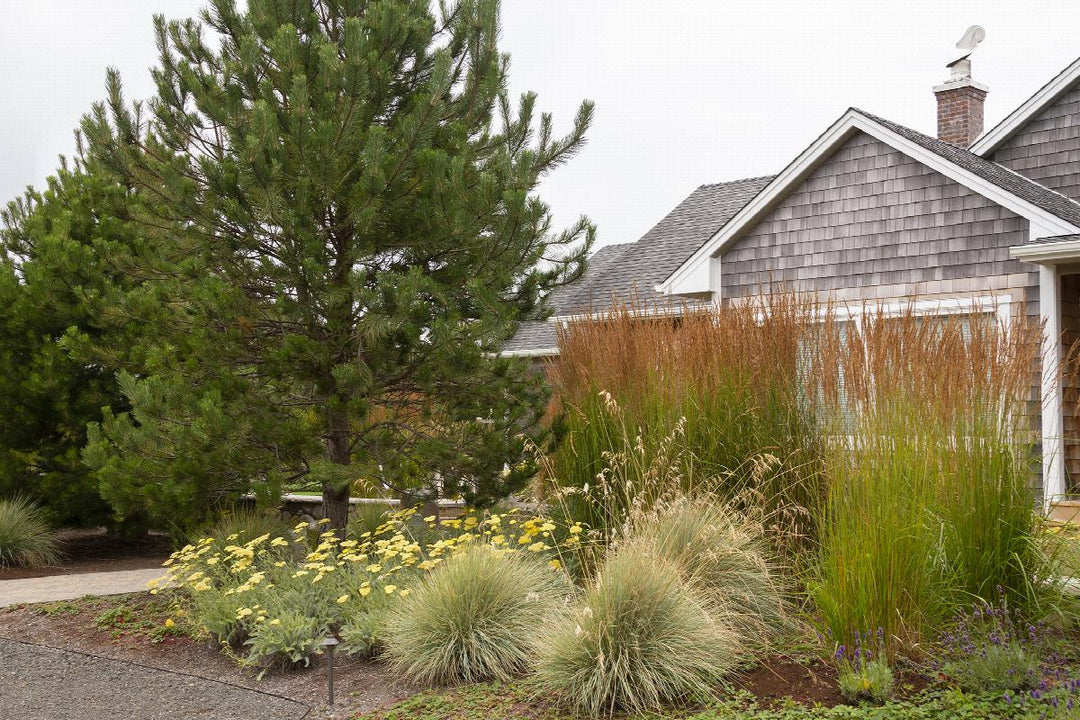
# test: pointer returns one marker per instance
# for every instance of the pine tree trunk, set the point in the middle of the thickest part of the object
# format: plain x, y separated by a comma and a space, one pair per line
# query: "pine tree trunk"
336, 499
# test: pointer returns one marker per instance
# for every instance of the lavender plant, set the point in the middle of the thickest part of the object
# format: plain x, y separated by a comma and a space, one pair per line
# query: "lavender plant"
991, 648
864, 672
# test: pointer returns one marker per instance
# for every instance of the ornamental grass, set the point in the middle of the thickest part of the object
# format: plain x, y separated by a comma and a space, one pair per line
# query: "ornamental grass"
474, 618
929, 467
639, 639
724, 382
723, 554
889, 456
25, 537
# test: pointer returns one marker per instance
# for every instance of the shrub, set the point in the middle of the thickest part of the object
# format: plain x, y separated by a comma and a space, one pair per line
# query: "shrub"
473, 618
723, 554
25, 537
991, 649
639, 639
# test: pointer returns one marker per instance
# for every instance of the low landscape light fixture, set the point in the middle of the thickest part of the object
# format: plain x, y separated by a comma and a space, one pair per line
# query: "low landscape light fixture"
329, 643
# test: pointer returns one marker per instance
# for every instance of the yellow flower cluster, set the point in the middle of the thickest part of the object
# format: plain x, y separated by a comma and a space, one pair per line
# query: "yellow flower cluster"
346, 571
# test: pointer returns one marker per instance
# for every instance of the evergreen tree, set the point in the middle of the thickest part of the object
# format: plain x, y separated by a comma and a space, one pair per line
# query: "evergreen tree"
345, 201
62, 252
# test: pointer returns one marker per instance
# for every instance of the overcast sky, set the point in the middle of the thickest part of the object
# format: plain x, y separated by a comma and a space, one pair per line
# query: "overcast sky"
687, 92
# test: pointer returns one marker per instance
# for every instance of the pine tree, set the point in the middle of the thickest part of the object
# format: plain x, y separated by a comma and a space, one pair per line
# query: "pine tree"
62, 252
347, 198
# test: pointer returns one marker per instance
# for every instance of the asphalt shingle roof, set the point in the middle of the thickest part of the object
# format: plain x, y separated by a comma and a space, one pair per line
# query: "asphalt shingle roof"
1012, 182
630, 270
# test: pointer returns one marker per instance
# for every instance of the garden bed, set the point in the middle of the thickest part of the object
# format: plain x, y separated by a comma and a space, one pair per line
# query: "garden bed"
782, 687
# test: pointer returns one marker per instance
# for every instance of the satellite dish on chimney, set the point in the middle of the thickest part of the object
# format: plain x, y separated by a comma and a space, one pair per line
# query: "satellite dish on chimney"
961, 66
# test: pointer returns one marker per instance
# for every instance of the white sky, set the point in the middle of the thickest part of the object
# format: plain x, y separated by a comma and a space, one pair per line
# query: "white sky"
687, 91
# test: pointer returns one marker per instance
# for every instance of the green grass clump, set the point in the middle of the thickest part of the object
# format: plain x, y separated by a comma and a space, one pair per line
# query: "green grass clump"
473, 618
25, 536
640, 639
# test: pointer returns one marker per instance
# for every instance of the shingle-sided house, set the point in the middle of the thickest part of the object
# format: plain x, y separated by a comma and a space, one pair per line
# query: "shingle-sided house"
966, 222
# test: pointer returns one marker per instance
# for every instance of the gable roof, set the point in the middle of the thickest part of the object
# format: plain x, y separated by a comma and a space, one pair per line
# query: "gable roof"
1043, 98
630, 271
1053, 213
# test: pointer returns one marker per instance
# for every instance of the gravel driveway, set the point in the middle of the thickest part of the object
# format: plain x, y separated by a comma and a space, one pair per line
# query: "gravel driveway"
41, 683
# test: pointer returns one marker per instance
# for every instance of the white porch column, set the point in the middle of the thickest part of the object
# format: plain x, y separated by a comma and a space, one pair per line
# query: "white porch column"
1053, 441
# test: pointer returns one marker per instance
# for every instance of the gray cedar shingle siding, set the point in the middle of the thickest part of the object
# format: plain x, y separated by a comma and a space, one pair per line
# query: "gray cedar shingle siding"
875, 223
1047, 148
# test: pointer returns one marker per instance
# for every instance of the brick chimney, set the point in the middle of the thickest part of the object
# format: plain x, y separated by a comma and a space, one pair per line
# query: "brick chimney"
960, 105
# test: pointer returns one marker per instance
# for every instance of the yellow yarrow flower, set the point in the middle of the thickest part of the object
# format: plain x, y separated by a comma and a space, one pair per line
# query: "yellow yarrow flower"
343, 599
389, 589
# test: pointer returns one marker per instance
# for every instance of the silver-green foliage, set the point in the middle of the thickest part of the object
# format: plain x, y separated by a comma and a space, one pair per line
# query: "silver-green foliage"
473, 618
871, 680
25, 537
640, 639
724, 555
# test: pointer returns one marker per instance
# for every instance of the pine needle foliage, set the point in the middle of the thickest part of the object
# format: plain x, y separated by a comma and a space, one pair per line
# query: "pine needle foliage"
345, 195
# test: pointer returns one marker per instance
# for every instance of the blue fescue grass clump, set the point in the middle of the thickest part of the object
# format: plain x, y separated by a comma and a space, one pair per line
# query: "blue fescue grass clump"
639, 640
473, 618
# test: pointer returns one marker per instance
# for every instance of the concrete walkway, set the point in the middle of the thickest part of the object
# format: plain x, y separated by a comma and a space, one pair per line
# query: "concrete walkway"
70, 587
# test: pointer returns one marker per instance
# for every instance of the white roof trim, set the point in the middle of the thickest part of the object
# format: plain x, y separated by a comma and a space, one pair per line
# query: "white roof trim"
1046, 96
537, 353
839, 132
672, 310
1048, 253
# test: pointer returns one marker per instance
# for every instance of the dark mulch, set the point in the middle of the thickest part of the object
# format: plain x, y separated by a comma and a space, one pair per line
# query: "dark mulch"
811, 681
95, 550
779, 677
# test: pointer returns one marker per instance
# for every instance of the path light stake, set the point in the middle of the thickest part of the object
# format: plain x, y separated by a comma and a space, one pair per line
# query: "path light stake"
329, 644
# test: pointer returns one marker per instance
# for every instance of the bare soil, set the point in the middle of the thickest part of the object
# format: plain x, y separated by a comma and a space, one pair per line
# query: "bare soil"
94, 550
779, 677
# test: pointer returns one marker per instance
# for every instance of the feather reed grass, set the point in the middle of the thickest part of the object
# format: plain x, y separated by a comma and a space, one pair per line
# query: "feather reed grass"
721, 385
928, 468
